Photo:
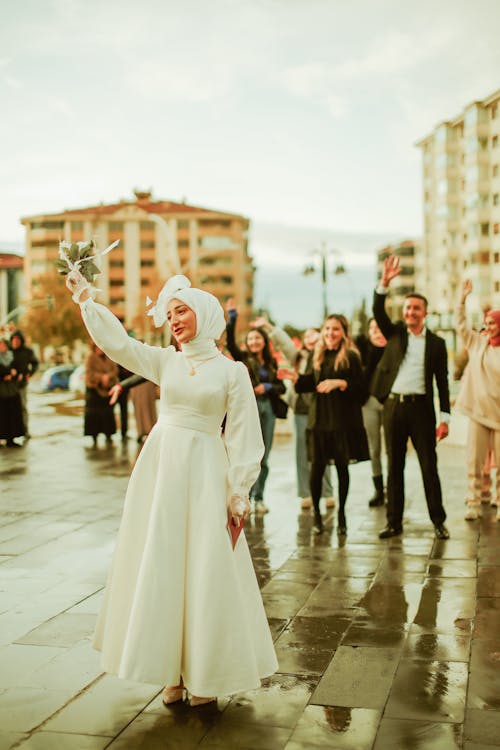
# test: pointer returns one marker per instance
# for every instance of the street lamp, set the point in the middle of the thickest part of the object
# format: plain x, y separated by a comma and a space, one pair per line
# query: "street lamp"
323, 254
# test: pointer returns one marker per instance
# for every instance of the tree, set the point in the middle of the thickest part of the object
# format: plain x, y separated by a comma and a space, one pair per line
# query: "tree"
52, 317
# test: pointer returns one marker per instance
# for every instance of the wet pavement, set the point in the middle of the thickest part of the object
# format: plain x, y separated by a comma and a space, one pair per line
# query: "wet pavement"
382, 645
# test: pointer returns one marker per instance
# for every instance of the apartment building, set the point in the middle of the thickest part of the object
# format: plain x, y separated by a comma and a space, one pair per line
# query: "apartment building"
11, 285
157, 239
407, 251
461, 197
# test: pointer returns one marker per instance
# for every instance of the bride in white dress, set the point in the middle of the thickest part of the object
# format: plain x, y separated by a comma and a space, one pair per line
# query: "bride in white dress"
181, 607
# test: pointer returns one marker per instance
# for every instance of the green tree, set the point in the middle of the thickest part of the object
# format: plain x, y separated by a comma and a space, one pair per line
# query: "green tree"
52, 318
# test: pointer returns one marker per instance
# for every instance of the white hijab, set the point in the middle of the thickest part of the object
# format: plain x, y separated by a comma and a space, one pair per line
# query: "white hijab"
210, 321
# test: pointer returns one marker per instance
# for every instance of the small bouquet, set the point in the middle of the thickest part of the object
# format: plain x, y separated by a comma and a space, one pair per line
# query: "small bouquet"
81, 256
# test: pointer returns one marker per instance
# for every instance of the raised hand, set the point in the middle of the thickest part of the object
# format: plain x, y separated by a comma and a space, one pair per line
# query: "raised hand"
78, 286
261, 322
390, 269
466, 289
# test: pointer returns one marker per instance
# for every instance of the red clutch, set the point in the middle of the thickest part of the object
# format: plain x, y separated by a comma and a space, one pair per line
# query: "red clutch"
234, 530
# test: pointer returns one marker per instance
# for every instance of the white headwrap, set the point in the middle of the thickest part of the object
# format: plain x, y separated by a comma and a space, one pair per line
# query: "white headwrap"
210, 321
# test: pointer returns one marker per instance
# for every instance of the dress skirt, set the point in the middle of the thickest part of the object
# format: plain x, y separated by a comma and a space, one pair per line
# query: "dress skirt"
99, 416
179, 601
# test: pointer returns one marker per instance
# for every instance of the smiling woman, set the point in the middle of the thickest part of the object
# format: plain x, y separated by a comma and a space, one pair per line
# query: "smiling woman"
182, 608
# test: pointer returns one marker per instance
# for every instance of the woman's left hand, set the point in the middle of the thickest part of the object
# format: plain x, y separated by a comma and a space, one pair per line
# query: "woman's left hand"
259, 390
331, 384
239, 508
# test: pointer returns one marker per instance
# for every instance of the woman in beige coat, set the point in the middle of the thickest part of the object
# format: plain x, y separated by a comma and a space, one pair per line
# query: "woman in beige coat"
479, 399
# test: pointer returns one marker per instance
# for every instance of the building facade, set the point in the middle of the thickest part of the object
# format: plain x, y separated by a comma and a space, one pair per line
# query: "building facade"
157, 239
461, 197
407, 252
11, 285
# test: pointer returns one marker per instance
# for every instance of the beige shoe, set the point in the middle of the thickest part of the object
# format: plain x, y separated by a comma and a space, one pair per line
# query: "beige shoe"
260, 508
306, 503
330, 502
473, 513
172, 694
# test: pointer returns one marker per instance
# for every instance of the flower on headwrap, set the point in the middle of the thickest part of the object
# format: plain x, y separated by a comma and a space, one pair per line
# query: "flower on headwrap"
158, 309
210, 321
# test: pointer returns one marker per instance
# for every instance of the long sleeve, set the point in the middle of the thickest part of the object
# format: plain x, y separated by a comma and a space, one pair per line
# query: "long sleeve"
243, 434
306, 383
282, 340
233, 348
131, 382
385, 324
110, 336
466, 334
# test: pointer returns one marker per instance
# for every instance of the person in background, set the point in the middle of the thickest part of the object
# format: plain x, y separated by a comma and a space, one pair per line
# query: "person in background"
479, 399
263, 370
335, 430
371, 349
143, 393
11, 414
26, 364
403, 381
101, 373
301, 361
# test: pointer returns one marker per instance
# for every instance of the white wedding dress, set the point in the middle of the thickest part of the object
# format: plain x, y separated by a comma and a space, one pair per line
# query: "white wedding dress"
179, 601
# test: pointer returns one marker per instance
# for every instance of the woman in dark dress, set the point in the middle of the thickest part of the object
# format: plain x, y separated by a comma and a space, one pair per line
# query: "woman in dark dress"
11, 414
335, 431
101, 373
263, 370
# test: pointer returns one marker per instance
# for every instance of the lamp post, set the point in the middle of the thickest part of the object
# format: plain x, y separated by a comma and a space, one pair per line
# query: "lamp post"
322, 254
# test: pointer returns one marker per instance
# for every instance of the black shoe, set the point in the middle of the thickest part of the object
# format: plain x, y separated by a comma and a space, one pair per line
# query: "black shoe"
390, 531
341, 525
378, 497
441, 531
318, 524
13, 444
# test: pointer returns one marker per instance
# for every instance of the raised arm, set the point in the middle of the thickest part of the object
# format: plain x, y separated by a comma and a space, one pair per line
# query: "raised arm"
110, 336
466, 333
233, 348
390, 269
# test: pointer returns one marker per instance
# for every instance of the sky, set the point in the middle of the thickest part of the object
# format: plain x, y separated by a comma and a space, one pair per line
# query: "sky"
298, 113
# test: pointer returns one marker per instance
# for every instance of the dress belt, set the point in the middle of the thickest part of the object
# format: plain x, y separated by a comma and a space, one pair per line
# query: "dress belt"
406, 398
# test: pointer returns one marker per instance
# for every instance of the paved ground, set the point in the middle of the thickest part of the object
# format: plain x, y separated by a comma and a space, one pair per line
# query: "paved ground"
382, 645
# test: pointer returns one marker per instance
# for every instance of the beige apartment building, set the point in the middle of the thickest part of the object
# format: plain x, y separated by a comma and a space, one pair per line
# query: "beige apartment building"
407, 252
157, 239
461, 196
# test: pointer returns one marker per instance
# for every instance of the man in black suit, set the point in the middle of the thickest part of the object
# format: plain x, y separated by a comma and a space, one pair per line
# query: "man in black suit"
403, 382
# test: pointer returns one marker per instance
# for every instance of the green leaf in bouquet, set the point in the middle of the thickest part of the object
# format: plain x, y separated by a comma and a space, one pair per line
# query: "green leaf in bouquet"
61, 266
89, 270
74, 252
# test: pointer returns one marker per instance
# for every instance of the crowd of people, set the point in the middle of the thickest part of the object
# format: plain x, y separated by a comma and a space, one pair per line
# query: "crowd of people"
203, 467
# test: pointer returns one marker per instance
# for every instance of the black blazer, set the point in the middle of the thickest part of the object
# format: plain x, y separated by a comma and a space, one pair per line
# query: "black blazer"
435, 366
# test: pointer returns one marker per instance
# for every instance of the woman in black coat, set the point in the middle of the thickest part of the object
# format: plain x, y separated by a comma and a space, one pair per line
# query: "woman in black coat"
263, 370
335, 431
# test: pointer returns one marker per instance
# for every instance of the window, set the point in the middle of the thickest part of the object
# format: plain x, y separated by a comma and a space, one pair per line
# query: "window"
496, 257
116, 226
485, 230
497, 286
77, 226
117, 300
47, 224
496, 228
183, 243
147, 244
495, 199
495, 170
116, 282
147, 263
494, 141
144, 282
147, 225
182, 224
116, 263
493, 111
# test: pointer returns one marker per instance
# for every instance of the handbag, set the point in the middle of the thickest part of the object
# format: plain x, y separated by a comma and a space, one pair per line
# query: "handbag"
279, 407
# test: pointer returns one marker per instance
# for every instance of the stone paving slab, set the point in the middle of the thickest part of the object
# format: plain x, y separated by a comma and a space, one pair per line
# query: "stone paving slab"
382, 645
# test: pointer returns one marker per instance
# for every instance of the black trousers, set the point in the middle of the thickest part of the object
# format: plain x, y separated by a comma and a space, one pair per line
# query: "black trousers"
415, 420
123, 404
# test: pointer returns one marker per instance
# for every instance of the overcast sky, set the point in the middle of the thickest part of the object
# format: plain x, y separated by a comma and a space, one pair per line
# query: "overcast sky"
296, 112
